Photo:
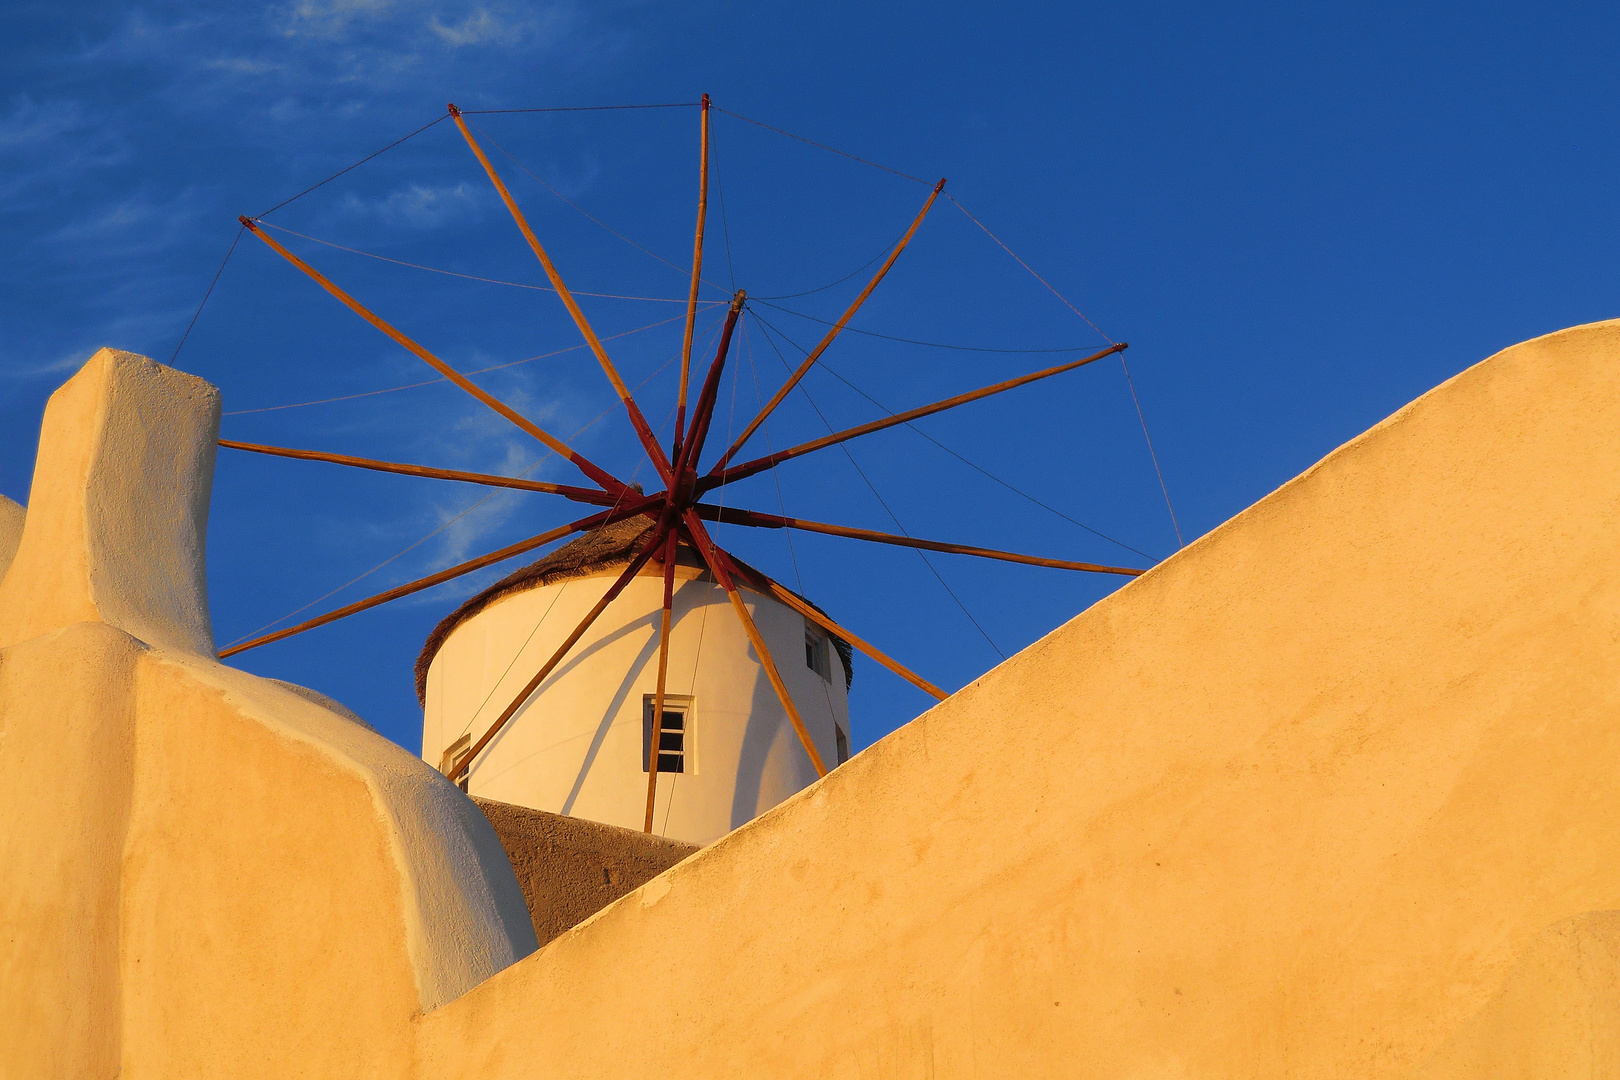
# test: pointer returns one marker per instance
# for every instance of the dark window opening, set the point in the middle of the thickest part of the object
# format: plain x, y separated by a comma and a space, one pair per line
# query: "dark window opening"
815, 654
672, 745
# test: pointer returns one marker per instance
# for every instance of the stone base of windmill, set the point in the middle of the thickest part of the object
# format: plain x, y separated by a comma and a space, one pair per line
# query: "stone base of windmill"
570, 868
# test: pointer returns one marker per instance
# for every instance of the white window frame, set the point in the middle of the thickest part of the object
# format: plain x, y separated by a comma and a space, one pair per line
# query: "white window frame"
683, 704
454, 753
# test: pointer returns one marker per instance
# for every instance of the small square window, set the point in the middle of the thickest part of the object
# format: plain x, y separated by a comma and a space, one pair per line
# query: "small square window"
674, 737
843, 742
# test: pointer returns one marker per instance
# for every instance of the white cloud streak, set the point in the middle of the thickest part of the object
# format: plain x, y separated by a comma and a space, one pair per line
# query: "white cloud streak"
419, 206
30, 124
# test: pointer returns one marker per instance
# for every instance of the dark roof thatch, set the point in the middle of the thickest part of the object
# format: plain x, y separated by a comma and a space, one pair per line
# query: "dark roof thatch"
609, 546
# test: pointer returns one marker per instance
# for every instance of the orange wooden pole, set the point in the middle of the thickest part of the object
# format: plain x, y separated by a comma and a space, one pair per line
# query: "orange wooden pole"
815, 354
663, 672
697, 277
773, 521
639, 422
719, 564
636, 564
601, 476
443, 575
749, 468
578, 494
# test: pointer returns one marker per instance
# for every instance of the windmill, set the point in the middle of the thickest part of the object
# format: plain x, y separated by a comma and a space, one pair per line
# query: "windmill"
676, 518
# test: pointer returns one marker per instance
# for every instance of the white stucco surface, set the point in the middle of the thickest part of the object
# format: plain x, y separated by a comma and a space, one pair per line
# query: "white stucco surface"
577, 746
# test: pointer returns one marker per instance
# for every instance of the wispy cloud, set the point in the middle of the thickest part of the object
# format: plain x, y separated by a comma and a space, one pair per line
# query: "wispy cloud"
45, 145
24, 370
482, 441
454, 24
164, 82
245, 66
444, 524
70, 349
137, 224
330, 19
418, 206
31, 124
267, 60
483, 26
577, 182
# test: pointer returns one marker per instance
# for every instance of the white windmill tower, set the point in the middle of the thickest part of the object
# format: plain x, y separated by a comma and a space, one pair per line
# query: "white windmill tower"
580, 743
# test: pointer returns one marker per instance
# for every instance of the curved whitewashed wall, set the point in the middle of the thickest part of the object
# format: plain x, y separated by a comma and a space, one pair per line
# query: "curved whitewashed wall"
577, 746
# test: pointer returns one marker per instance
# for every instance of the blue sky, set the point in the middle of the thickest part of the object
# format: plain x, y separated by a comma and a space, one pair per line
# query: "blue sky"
1300, 217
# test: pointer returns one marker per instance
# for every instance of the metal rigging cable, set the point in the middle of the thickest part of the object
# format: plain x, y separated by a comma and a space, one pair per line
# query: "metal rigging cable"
475, 277
585, 108
685, 270
823, 288
725, 226
824, 146
913, 341
1124, 366
441, 119
475, 371
350, 168
240, 229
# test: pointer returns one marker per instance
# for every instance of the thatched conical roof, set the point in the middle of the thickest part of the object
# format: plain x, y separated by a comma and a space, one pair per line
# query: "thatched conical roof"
600, 549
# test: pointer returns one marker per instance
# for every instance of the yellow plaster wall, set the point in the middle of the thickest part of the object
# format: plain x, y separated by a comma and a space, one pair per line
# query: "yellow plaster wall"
262, 919
66, 764
1290, 804
1556, 1015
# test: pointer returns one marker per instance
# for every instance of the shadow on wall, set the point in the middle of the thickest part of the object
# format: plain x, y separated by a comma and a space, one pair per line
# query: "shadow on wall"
643, 658
570, 868
11, 526
769, 748
534, 714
